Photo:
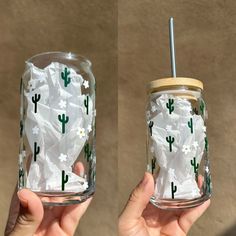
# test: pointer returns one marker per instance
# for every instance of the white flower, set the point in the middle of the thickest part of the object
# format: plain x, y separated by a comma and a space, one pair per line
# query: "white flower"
186, 149
63, 157
86, 84
207, 169
195, 144
35, 130
89, 128
154, 108
168, 128
204, 128
148, 115
81, 132
152, 149
62, 104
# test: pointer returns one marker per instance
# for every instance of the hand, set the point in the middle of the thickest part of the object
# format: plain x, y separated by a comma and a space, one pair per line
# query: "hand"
28, 217
141, 218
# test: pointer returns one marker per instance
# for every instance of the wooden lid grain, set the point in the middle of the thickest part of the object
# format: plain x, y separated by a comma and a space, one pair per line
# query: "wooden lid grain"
161, 84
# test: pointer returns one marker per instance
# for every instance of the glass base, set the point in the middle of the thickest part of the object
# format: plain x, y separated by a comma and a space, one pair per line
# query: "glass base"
181, 204
64, 198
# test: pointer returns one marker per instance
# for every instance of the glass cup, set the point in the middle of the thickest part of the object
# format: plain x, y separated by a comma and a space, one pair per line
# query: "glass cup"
177, 144
57, 158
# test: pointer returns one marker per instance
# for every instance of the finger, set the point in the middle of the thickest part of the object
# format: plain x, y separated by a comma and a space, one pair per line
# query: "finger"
30, 215
139, 199
188, 217
200, 181
72, 215
13, 212
79, 169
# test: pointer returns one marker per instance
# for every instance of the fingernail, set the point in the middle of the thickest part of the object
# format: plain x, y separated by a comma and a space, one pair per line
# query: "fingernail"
23, 201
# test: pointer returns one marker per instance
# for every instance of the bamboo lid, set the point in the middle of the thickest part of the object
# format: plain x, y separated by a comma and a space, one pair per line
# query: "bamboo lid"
164, 83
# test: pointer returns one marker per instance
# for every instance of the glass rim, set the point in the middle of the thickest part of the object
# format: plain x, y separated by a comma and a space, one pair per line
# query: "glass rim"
66, 55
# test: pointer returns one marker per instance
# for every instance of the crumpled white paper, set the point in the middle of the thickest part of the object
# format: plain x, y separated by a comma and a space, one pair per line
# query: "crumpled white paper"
175, 166
57, 151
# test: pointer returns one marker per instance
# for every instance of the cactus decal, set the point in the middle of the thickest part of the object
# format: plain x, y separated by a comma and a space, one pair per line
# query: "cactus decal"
21, 128
21, 177
65, 77
87, 152
173, 190
153, 164
170, 105
36, 150
208, 184
170, 140
195, 165
151, 123
35, 100
206, 144
86, 104
202, 107
190, 125
64, 180
63, 119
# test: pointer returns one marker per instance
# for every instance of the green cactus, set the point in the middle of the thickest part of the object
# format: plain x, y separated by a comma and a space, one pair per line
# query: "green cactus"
86, 104
36, 150
208, 184
190, 125
153, 164
170, 140
195, 165
151, 123
170, 105
35, 100
202, 107
206, 144
64, 76
173, 190
63, 119
64, 180
87, 152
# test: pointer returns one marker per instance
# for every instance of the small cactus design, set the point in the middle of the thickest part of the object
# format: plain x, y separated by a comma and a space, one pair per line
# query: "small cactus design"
65, 77
208, 184
170, 105
173, 190
63, 119
153, 164
151, 123
202, 107
206, 144
21, 177
170, 140
36, 150
35, 100
87, 152
190, 125
195, 165
64, 180
86, 104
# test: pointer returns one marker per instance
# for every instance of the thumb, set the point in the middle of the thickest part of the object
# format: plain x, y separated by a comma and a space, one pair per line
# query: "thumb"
30, 215
138, 199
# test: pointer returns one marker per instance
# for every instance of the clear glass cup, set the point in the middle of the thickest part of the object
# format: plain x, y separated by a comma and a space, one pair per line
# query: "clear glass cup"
177, 144
57, 158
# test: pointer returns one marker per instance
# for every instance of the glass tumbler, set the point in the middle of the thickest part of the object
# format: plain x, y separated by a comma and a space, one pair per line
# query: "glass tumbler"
177, 144
57, 157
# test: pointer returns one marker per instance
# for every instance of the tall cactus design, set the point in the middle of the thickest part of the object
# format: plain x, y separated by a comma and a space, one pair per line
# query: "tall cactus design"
202, 107
195, 165
36, 150
153, 164
63, 119
64, 180
87, 152
170, 140
206, 144
151, 123
21, 128
190, 125
86, 104
173, 190
65, 77
170, 105
35, 100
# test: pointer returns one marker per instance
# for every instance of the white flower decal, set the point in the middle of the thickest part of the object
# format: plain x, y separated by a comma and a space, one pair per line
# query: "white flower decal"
81, 132
186, 149
63, 157
62, 104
